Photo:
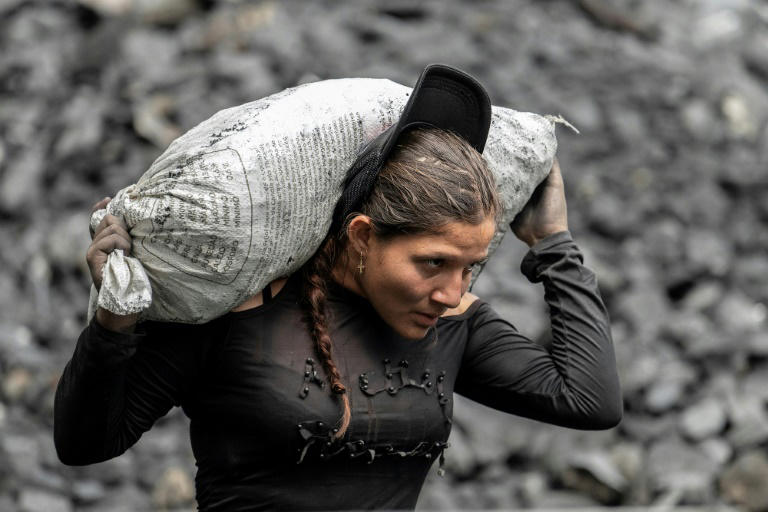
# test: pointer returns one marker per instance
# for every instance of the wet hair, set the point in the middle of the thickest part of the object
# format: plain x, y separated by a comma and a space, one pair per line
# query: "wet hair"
432, 178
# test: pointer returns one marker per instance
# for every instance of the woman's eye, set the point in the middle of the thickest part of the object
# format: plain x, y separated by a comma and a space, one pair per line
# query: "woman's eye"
434, 263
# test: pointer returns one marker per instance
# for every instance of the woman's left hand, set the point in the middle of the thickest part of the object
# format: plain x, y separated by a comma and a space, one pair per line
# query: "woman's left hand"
545, 213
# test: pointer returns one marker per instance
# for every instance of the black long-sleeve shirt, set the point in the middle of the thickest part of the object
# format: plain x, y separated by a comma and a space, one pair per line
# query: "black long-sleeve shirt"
262, 417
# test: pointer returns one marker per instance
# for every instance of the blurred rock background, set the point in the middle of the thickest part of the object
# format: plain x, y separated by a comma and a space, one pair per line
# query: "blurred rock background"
668, 197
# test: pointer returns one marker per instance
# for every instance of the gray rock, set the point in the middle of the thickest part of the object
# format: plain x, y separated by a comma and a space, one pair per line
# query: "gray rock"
708, 251
709, 206
437, 494
23, 454
7, 504
754, 54
160, 69
703, 419
697, 334
757, 343
533, 487
162, 11
250, 72
46, 480
664, 237
675, 466
498, 496
610, 216
460, 458
174, 489
118, 471
717, 450
40, 42
668, 389
558, 500
637, 366
584, 113
125, 498
491, 435
82, 123
750, 274
16, 384
743, 483
152, 120
332, 42
628, 124
748, 419
664, 395
21, 183
740, 314
700, 120
742, 116
703, 295
610, 276
756, 384
744, 170
88, 491
595, 474
68, 240
469, 497
553, 447
33, 500
18, 347
628, 459
639, 304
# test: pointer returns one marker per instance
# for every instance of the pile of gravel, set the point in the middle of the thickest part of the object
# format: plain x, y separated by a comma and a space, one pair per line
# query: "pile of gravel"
667, 190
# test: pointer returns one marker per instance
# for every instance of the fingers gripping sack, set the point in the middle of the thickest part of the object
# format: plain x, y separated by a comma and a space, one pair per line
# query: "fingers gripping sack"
125, 286
248, 195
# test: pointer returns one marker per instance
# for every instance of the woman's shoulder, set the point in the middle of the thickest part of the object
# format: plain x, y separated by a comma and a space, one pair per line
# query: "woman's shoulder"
263, 296
466, 308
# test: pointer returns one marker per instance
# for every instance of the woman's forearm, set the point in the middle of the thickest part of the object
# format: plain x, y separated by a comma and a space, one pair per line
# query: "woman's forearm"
89, 397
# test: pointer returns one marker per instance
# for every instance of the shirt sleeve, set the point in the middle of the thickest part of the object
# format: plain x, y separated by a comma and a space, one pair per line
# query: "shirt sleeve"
117, 385
575, 383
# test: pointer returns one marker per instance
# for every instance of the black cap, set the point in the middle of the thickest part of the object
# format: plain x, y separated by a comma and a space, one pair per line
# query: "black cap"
443, 97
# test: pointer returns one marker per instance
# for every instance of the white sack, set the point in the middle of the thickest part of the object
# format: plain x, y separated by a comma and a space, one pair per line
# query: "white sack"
248, 195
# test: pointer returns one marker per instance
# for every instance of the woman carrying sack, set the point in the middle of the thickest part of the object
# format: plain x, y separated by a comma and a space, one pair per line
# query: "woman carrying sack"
332, 389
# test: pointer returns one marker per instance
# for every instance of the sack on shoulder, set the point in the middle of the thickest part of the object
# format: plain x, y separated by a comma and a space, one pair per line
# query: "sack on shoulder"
247, 196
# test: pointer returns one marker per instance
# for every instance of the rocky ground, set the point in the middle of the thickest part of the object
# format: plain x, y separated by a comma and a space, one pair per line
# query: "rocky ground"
668, 196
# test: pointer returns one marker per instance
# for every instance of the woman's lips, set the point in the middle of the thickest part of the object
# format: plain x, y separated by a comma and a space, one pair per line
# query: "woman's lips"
426, 319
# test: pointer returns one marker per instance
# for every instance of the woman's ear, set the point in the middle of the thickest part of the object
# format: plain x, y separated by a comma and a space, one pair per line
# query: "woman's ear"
359, 232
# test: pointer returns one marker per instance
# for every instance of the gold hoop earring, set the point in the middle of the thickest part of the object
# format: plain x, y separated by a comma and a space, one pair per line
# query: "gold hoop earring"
361, 265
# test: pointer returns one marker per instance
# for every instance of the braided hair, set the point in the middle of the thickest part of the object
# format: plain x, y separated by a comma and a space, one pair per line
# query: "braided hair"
433, 177
315, 275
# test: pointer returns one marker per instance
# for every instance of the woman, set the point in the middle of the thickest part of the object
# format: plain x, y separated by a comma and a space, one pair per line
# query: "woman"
332, 389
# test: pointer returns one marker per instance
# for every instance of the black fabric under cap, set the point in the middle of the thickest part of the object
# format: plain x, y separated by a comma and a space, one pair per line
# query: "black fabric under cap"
443, 97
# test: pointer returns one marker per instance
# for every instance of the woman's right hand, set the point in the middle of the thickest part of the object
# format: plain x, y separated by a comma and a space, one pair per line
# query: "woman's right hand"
545, 213
110, 234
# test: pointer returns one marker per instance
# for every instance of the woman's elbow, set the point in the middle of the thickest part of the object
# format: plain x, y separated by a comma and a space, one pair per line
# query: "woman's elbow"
69, 456
598, 414
73, 452
610, 415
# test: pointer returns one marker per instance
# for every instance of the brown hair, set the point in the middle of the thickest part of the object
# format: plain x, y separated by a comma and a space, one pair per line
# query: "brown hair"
432, 178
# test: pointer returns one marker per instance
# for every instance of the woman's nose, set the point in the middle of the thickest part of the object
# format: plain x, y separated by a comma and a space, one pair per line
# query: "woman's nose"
450, 292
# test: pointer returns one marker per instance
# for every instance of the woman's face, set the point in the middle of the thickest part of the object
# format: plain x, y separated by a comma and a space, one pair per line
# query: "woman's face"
411, 280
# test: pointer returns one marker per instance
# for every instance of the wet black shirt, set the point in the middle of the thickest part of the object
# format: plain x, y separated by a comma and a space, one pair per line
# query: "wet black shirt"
261, 413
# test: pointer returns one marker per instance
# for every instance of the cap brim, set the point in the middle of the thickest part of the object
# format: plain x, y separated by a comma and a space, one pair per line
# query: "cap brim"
449, 99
